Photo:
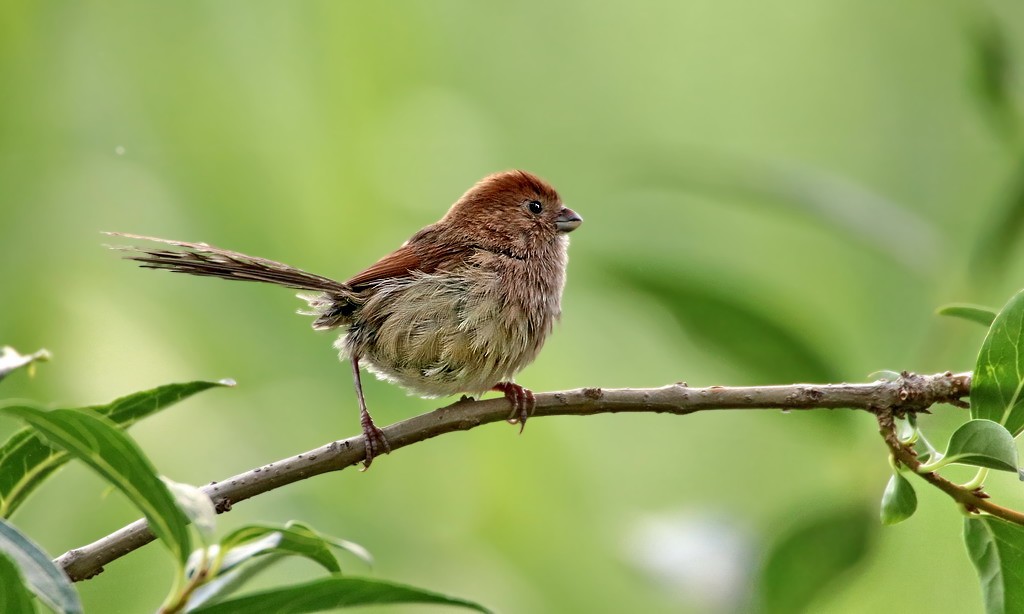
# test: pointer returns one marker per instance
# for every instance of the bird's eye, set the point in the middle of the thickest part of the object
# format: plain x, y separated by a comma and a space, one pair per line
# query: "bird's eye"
535, 207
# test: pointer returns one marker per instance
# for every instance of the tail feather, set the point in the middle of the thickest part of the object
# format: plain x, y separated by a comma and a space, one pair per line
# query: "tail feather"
208, 261
330, 310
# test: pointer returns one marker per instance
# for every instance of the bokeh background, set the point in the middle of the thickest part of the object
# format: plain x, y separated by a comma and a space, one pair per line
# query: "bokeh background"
773, 192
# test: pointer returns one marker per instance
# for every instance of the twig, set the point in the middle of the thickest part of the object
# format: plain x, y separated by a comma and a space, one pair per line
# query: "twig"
909, 393
973, 501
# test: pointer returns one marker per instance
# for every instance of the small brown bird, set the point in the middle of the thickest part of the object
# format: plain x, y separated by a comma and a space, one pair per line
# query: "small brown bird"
461, 307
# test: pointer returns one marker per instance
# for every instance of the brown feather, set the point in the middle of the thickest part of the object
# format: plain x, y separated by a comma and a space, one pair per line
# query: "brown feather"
462, 306
209, 261
426, 252
399, 263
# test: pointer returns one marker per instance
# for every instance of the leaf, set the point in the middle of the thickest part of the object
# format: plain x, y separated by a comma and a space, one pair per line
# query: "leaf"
25, 461
14, 598
1002, 230
992, 55
98, 442
45, 579
904, 432
973, 313
849, 210
996, 549
811, 558
745, 331
225, 584
246, 550
899, 501
294, 538
992, 74
196, 504
128, 410
11, 360
351, 547
332, 592
982, 443
999, 372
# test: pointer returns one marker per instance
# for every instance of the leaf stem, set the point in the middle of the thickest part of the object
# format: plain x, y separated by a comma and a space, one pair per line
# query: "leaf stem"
934, 465
178, 599
973, 501
977, 481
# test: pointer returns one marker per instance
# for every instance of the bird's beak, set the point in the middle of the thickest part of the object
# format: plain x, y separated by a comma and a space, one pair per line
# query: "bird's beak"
567, 220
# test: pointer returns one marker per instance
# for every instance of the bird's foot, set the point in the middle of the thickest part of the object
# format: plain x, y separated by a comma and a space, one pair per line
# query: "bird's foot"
375, 441
522, 400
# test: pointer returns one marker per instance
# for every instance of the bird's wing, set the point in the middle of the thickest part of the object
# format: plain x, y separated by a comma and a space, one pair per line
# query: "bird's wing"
423, 253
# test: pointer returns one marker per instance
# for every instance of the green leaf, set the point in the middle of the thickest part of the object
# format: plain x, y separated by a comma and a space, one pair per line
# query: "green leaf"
973, 313
45, 579
848, 210
906, 432
98, 442
811, 558
14, 598
332, 592
294, 539
899, 501
222, 586
25, 461
999, 372
11, 360
351, 547
744, 331
1001, 232
251, 548
993, 74
982, 443
129, 409
996, 549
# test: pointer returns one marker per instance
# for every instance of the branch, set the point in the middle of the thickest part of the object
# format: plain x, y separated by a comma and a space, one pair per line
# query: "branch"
973, 501
909, 393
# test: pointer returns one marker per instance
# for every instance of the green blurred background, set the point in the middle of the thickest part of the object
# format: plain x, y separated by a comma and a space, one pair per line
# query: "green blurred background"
773, 192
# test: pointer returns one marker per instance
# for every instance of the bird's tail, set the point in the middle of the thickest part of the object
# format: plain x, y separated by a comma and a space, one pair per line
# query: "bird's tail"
208, 261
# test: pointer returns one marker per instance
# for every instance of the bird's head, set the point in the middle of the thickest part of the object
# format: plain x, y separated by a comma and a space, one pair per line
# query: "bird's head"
514, 211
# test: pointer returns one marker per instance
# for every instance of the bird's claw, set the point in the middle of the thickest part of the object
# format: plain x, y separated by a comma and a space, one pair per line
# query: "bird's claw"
522, 400
375, 443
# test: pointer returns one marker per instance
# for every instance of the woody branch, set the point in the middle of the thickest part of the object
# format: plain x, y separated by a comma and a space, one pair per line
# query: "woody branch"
908, 394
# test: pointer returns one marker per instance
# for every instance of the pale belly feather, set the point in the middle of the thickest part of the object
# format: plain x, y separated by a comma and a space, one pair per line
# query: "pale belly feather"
445, 334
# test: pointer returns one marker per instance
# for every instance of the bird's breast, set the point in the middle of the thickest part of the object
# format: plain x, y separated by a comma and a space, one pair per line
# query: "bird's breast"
465, 330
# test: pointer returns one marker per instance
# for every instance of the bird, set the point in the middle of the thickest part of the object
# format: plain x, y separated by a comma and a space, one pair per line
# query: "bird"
461, 307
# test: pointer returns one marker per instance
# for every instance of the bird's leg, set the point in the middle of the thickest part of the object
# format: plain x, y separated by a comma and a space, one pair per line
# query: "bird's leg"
376, 443
522, 401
